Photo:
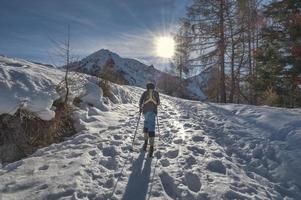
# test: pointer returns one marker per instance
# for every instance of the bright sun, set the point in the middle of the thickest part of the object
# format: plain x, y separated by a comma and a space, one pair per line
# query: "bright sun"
165, 47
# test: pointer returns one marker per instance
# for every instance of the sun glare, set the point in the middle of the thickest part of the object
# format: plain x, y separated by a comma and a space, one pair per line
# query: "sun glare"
165, 47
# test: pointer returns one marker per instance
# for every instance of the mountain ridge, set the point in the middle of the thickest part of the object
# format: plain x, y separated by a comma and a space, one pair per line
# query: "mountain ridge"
137, 73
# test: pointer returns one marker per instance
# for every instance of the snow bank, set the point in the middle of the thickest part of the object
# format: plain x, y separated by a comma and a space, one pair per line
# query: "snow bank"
280, 124
272, 137
33, 87
28, 86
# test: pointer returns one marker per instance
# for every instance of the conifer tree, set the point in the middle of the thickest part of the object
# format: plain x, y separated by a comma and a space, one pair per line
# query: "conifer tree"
279, 55
206, 20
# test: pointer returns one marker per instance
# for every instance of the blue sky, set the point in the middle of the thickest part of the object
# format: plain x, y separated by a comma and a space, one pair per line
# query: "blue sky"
127, 27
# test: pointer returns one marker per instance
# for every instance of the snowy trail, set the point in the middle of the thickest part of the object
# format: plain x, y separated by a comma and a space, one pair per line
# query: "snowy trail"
206, 151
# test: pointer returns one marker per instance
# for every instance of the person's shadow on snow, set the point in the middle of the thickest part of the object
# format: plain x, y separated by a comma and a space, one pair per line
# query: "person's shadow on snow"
139, 179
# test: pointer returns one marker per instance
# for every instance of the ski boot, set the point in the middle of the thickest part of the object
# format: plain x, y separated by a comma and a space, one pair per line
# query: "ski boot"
151, 151
144, 145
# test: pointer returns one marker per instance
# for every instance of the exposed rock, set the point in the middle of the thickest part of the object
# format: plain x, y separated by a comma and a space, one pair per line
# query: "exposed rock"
23, 133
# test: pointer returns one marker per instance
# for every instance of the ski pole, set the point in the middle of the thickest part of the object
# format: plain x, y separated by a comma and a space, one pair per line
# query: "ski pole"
158, 128
132, 146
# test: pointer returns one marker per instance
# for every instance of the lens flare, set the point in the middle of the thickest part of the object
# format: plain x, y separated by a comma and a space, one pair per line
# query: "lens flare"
165, 47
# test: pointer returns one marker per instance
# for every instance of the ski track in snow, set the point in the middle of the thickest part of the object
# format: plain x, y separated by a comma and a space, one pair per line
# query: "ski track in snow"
204, 152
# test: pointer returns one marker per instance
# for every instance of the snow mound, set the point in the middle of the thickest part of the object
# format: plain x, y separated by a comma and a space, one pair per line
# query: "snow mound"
32, 87
28, 86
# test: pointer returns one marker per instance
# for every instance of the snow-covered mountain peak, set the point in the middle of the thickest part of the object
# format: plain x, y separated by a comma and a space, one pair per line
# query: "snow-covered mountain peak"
134, 72
103, 54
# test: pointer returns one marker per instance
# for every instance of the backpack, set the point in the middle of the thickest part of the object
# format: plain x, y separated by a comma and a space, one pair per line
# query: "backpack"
150, 98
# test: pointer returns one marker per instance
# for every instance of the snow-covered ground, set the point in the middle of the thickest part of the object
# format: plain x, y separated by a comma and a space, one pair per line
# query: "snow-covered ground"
205, 151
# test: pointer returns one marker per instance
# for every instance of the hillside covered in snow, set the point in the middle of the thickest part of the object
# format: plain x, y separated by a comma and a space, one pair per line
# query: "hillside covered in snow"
136, 73
203, 150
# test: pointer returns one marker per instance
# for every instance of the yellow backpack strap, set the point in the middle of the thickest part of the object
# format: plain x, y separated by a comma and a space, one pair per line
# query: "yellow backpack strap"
150, 98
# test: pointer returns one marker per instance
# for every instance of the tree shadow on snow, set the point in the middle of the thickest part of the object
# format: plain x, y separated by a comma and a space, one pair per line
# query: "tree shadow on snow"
137, 185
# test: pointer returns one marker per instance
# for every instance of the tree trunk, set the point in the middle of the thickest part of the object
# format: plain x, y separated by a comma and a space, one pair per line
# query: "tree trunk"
222, 54
232, 84
67, 66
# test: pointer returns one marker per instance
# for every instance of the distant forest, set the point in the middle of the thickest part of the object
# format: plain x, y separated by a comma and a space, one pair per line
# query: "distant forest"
251, 49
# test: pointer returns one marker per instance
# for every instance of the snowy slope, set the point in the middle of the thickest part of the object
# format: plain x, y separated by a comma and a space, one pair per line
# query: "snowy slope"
206, 151
27, 85
32, 87
135, 72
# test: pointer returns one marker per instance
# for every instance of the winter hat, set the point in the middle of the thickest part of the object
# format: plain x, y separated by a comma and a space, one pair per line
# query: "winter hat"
150, 85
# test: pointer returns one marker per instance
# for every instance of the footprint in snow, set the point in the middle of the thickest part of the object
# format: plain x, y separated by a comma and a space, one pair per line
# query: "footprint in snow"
165, 162
170, 126
109, 183
243, 188
140, 137
43, 187
188, 125
172, 153
74, 155
44, 167
218, 154
100, 146
209, 179
116, 142
109, 151
169, 185
92, 152
158, 154
172, 190
164, 117
117, 137
193, 182
114, 127
125, 149
172, 113
216, 166
197, 127
197, 138
65, 194
196, 150
185, 116
190, 160
109, 163
230, 194
177, 141
174, 130
102, 131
